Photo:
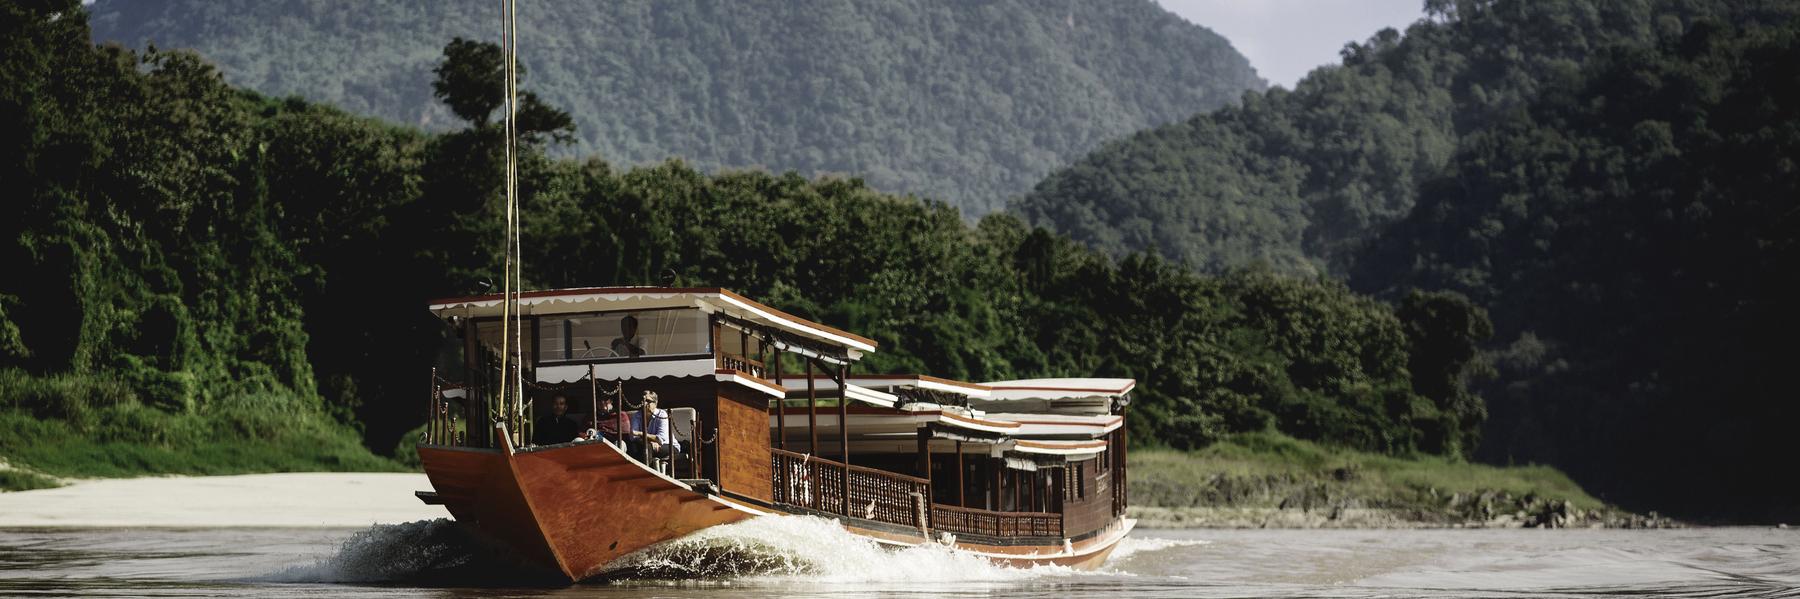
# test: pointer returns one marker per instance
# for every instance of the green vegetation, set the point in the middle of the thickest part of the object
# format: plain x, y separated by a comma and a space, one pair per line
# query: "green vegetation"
1198, 478
205, 276
1652, 202
967, 102
18, 480
1612, 182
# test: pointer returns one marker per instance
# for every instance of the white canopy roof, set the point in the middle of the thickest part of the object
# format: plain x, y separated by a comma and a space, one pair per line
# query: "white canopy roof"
1067, 395
609, 299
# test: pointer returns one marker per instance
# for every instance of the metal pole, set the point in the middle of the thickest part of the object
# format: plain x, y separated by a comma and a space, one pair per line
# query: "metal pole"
844, 428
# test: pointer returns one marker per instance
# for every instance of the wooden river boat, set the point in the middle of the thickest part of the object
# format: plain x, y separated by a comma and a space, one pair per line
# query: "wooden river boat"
772, 422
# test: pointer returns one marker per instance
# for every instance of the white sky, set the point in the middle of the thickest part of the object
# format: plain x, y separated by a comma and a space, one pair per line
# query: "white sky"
1286, 38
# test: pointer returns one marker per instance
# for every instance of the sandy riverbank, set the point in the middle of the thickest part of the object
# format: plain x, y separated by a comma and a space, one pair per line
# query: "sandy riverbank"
303, 499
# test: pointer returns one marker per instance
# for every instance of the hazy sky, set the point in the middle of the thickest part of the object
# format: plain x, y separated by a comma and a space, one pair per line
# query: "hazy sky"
1286, 38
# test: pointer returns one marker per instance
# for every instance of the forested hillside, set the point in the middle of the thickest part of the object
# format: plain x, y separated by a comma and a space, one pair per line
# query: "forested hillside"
1612, 181
967, 102
191, 263
1635, 231
1300, 179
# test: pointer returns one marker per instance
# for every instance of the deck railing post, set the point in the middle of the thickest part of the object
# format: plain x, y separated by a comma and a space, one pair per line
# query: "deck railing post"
812, 411
843, 380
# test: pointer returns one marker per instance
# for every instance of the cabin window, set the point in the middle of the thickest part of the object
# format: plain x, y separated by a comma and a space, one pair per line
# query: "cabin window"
490, 334
622, 335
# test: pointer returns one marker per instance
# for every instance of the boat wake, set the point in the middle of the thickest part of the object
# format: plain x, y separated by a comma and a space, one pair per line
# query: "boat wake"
784, 549
425, 553
809, 549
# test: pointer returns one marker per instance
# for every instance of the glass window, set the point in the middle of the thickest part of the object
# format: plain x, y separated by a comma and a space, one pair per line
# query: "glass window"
614, 335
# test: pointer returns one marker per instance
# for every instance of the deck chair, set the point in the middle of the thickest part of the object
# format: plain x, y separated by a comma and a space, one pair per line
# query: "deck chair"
681, 423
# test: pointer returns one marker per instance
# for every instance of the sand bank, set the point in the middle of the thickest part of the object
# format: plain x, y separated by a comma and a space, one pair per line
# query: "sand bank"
253, 500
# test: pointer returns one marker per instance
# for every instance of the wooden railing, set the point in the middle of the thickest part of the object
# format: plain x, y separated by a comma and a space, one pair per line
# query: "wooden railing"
819, 484
730, 361
962, 520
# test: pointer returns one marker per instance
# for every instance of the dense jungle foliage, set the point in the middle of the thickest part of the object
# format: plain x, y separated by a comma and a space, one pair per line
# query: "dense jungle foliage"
969, 102
192, 260
1613, 181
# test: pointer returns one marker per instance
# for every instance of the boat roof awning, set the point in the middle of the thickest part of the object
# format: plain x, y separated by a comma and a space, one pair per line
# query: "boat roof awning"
712, 300
865, 420
1064, 426
887, 383
1073, 451
1065, 395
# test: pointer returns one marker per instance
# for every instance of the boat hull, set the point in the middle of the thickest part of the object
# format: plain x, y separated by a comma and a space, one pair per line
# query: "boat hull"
579, 508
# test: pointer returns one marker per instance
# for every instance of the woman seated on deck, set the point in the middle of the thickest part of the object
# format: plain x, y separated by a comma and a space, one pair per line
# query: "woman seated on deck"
656, 433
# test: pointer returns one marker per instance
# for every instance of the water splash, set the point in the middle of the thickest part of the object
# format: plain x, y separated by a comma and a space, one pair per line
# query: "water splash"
426, 552
1130, 546
810, 549
768, 549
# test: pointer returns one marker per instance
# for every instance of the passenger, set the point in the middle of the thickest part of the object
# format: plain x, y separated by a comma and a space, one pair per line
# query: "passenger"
662, 444
557, 426
611, 422
629, 345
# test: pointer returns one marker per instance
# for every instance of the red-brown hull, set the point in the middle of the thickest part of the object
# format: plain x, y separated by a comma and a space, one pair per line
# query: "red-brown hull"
579, 508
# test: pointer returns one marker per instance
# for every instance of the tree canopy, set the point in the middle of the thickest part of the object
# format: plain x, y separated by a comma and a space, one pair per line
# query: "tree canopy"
967, 102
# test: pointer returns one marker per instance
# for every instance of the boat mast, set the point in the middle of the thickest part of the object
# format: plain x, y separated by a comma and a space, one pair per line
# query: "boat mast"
512, 368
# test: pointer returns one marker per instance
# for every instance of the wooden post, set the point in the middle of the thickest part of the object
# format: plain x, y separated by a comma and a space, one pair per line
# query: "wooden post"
780, 407
643, 423
959, 476
812, 410
925, 457
472, 371
996, 490
431, 411
844, 429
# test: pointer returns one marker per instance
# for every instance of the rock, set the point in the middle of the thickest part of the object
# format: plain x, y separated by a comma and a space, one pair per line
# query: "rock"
1782, 526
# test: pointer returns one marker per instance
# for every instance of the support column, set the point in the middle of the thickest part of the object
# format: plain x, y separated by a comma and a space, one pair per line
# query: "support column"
812, 411
780, 406
925, 456
959, 476
843, 381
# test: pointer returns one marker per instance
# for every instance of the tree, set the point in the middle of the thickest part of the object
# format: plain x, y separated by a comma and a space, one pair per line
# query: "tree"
471, 80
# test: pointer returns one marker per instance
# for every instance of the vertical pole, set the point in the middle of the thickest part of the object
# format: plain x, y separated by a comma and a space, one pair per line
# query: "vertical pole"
812, 410
431, 411
644, 425
594, 397
925, 457
843, 377
472, 377
996, 490
959, 476
780, 406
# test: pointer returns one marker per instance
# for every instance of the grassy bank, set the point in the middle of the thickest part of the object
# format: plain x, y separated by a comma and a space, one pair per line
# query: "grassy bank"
1266, 479
92, 426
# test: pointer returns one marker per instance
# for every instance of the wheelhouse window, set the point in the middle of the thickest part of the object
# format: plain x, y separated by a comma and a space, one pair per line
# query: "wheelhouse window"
606, 336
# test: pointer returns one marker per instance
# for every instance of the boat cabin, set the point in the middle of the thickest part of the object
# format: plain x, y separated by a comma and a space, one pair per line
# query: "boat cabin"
770, 412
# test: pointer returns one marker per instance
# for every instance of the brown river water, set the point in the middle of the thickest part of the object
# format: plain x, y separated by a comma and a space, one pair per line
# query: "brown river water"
785, 557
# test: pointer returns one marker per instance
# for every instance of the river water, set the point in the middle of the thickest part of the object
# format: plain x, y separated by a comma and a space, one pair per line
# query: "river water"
783, 557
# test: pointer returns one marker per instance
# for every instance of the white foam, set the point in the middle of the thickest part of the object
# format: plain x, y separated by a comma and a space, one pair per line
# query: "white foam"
1133, 545
810, 549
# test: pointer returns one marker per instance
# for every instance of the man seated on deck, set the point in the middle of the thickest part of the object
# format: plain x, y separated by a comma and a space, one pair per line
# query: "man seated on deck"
662, 444
628, 344
557, 426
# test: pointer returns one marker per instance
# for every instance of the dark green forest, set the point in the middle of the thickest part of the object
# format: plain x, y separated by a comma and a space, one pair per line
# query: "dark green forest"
1612, 181
968, 102
194, 260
